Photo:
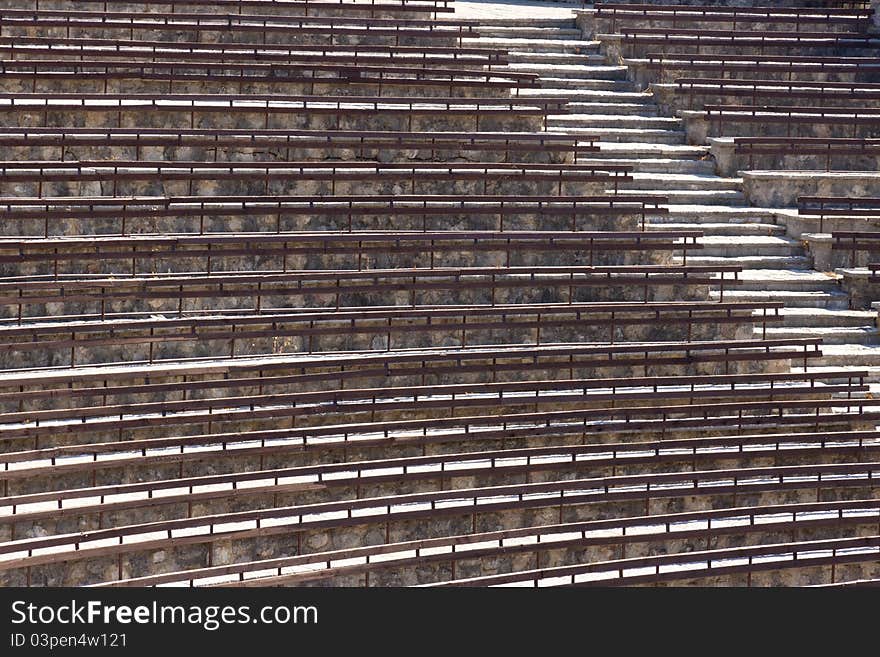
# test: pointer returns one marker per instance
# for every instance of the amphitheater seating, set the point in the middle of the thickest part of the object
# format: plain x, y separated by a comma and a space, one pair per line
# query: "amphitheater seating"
320, 300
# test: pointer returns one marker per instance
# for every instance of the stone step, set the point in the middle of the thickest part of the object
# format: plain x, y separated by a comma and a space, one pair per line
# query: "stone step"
560, 23
624, 135
520, 57
807, 299
792, 280
752, 262
651, 165
873, 372
683, 181
614, 121
591, 84
580, 71
734, 230
854, 355
827, 317
575, 95
652, 150
845, 335
697, 213
514, 44
640, 109
682, 196
543, 33
749, 245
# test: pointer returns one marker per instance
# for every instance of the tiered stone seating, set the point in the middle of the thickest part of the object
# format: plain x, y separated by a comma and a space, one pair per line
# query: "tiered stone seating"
363, 336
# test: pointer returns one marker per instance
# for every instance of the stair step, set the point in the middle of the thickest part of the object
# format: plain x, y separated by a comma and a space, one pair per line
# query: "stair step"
654, 150
611, 83
543, 33
641, 109
578, 71
695, 213
752, 262
624, 135
824, 317
855, 355
613, 121
521, 57
532, 45
808, 299
562, 23
722, 229
749, 245
863, 335
792, 280
680, 196
651, 165
604, 95
873, 372
684, 181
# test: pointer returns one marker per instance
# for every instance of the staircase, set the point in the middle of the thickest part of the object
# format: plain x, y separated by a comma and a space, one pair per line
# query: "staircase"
632, 132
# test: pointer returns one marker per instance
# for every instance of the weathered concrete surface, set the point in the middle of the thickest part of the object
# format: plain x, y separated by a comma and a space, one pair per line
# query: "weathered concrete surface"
782, 188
